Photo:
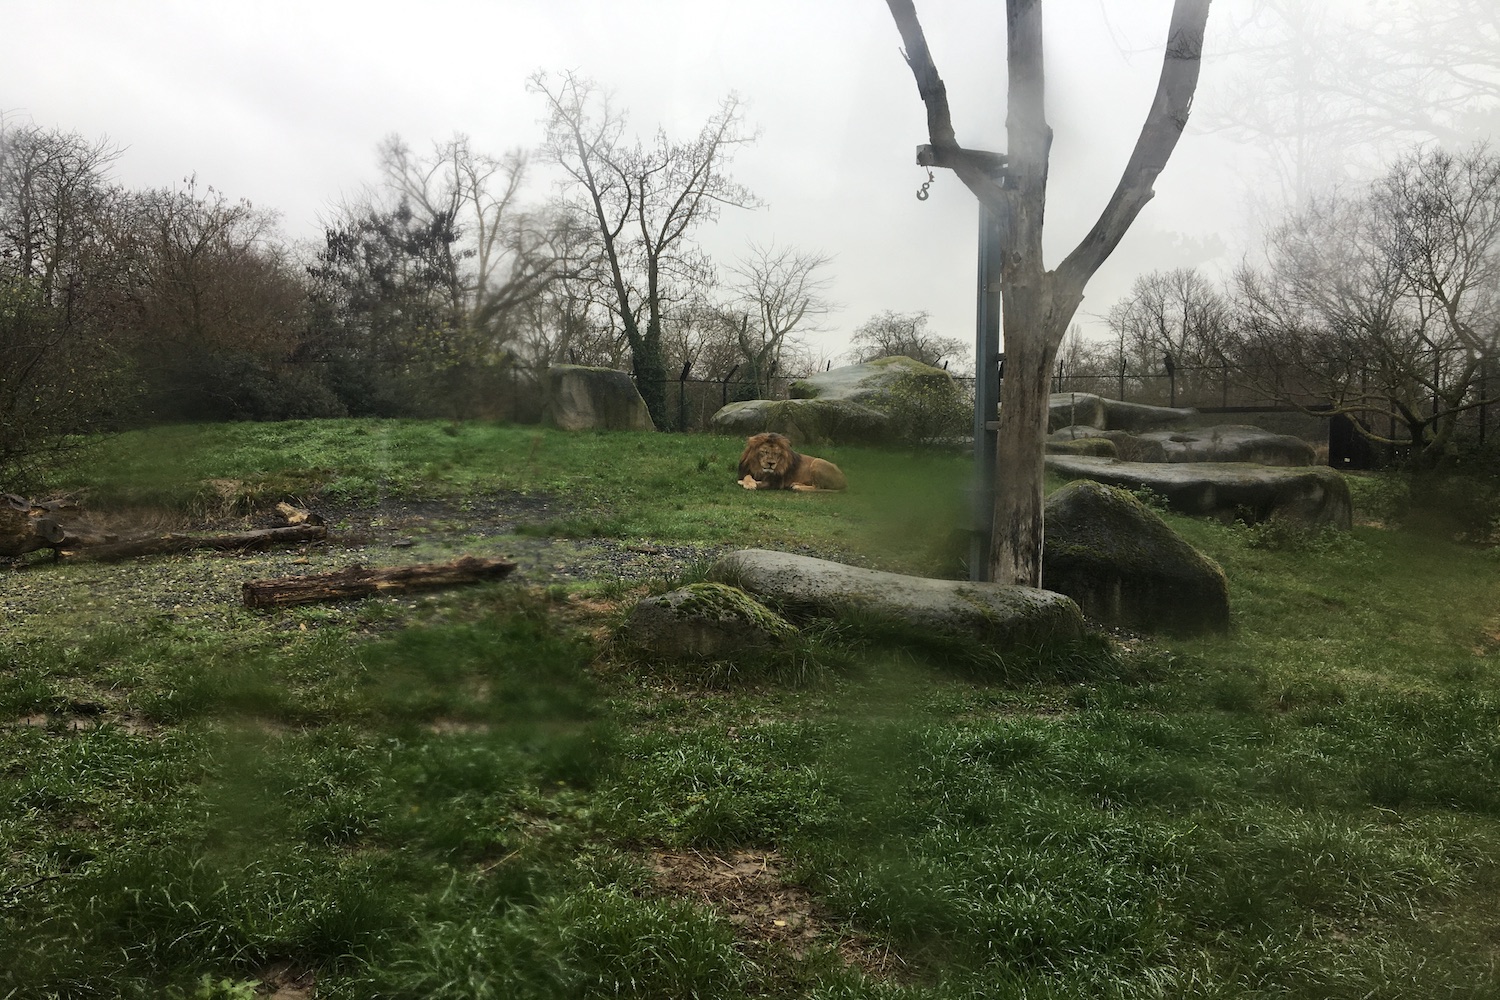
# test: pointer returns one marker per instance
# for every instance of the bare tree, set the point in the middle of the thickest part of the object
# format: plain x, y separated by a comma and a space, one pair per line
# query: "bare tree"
1325, 92
890, 333
1385, 306
217, 303
1039, 304
52, 185
643, 202
1172, 322
503, 254
780, 292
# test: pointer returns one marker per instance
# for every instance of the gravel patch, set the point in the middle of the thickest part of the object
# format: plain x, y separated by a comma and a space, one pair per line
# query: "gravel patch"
206, 585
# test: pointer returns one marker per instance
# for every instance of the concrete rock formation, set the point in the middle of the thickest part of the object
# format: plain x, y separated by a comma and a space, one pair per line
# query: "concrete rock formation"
807, 422
1084, 409
870, 383
1232, 443
1314, 496
1003, 616
1124, 566
580, 398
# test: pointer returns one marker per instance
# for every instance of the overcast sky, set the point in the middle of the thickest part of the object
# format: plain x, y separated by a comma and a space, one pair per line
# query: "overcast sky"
283, 103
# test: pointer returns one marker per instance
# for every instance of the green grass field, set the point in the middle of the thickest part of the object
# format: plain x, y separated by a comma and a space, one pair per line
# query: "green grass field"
474, 793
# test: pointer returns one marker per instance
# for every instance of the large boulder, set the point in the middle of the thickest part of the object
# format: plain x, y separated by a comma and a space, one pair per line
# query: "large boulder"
1124, 566
872, 383
807, 422
580, 398
704, 620
1004, 616
1088, 410
1251, 493
1231, 443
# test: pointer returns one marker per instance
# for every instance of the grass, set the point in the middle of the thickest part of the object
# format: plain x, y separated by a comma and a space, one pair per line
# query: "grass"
462, 795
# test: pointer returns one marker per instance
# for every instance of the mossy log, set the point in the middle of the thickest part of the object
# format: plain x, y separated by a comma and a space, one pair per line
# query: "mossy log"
357, 581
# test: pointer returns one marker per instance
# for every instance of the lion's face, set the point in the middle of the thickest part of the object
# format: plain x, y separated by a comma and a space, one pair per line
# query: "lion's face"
768, 455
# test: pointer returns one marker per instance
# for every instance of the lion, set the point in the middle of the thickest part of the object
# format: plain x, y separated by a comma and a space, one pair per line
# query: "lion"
769, 463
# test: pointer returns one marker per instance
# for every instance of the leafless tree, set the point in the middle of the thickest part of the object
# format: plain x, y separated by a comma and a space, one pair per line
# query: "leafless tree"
52, 185
1385, 305
1324, 92
504, 254
1038, 304
57, 363
643, 201
890, 333
216, 303
1172, 322
779, 292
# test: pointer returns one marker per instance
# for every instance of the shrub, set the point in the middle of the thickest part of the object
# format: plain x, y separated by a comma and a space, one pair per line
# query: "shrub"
926, 411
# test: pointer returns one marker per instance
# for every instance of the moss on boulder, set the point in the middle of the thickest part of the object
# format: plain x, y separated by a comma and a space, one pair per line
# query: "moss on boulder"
705, 620
806, 421
1125, 566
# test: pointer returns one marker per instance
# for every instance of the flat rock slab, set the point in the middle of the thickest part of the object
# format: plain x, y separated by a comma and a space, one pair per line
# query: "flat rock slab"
1230, 491
1086, 409
1232, 443
801, 586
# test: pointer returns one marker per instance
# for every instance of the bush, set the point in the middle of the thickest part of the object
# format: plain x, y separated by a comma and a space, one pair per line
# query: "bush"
925, 411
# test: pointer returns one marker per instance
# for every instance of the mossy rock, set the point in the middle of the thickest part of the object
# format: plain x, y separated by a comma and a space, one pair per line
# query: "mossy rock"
705, 621
998, 616
1126, 567
870, 383
807, 422
1100, 446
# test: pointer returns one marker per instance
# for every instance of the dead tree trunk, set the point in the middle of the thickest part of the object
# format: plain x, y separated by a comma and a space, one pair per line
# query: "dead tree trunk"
1038, 304
261, 538
360, 582
24, 527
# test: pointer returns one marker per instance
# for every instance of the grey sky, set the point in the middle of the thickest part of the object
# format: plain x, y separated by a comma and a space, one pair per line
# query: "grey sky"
283, 103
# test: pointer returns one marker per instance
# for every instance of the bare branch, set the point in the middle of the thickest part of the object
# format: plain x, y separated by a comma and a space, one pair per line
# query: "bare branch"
1163, 127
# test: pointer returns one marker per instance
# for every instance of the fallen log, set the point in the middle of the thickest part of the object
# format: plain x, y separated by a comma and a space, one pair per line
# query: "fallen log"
242, 541
357, 581
25, 527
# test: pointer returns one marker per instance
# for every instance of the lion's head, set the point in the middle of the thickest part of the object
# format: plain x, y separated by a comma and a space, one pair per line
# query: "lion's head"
767, 456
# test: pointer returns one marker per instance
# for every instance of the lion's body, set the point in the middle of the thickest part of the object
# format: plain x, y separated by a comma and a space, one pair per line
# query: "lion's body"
769, 463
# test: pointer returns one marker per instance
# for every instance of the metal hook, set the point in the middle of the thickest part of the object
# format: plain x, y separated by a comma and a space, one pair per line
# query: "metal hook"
922, 194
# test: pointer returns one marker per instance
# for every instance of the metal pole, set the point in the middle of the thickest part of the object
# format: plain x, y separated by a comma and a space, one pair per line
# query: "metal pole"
986, 394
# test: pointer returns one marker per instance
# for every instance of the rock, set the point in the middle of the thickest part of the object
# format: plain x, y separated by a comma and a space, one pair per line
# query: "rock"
705, 620
806, 421
1079, 411
1251, 493
1232, 443
802, 586
870, 383
580, 398
1100, 446
1125, 566
1075, 408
